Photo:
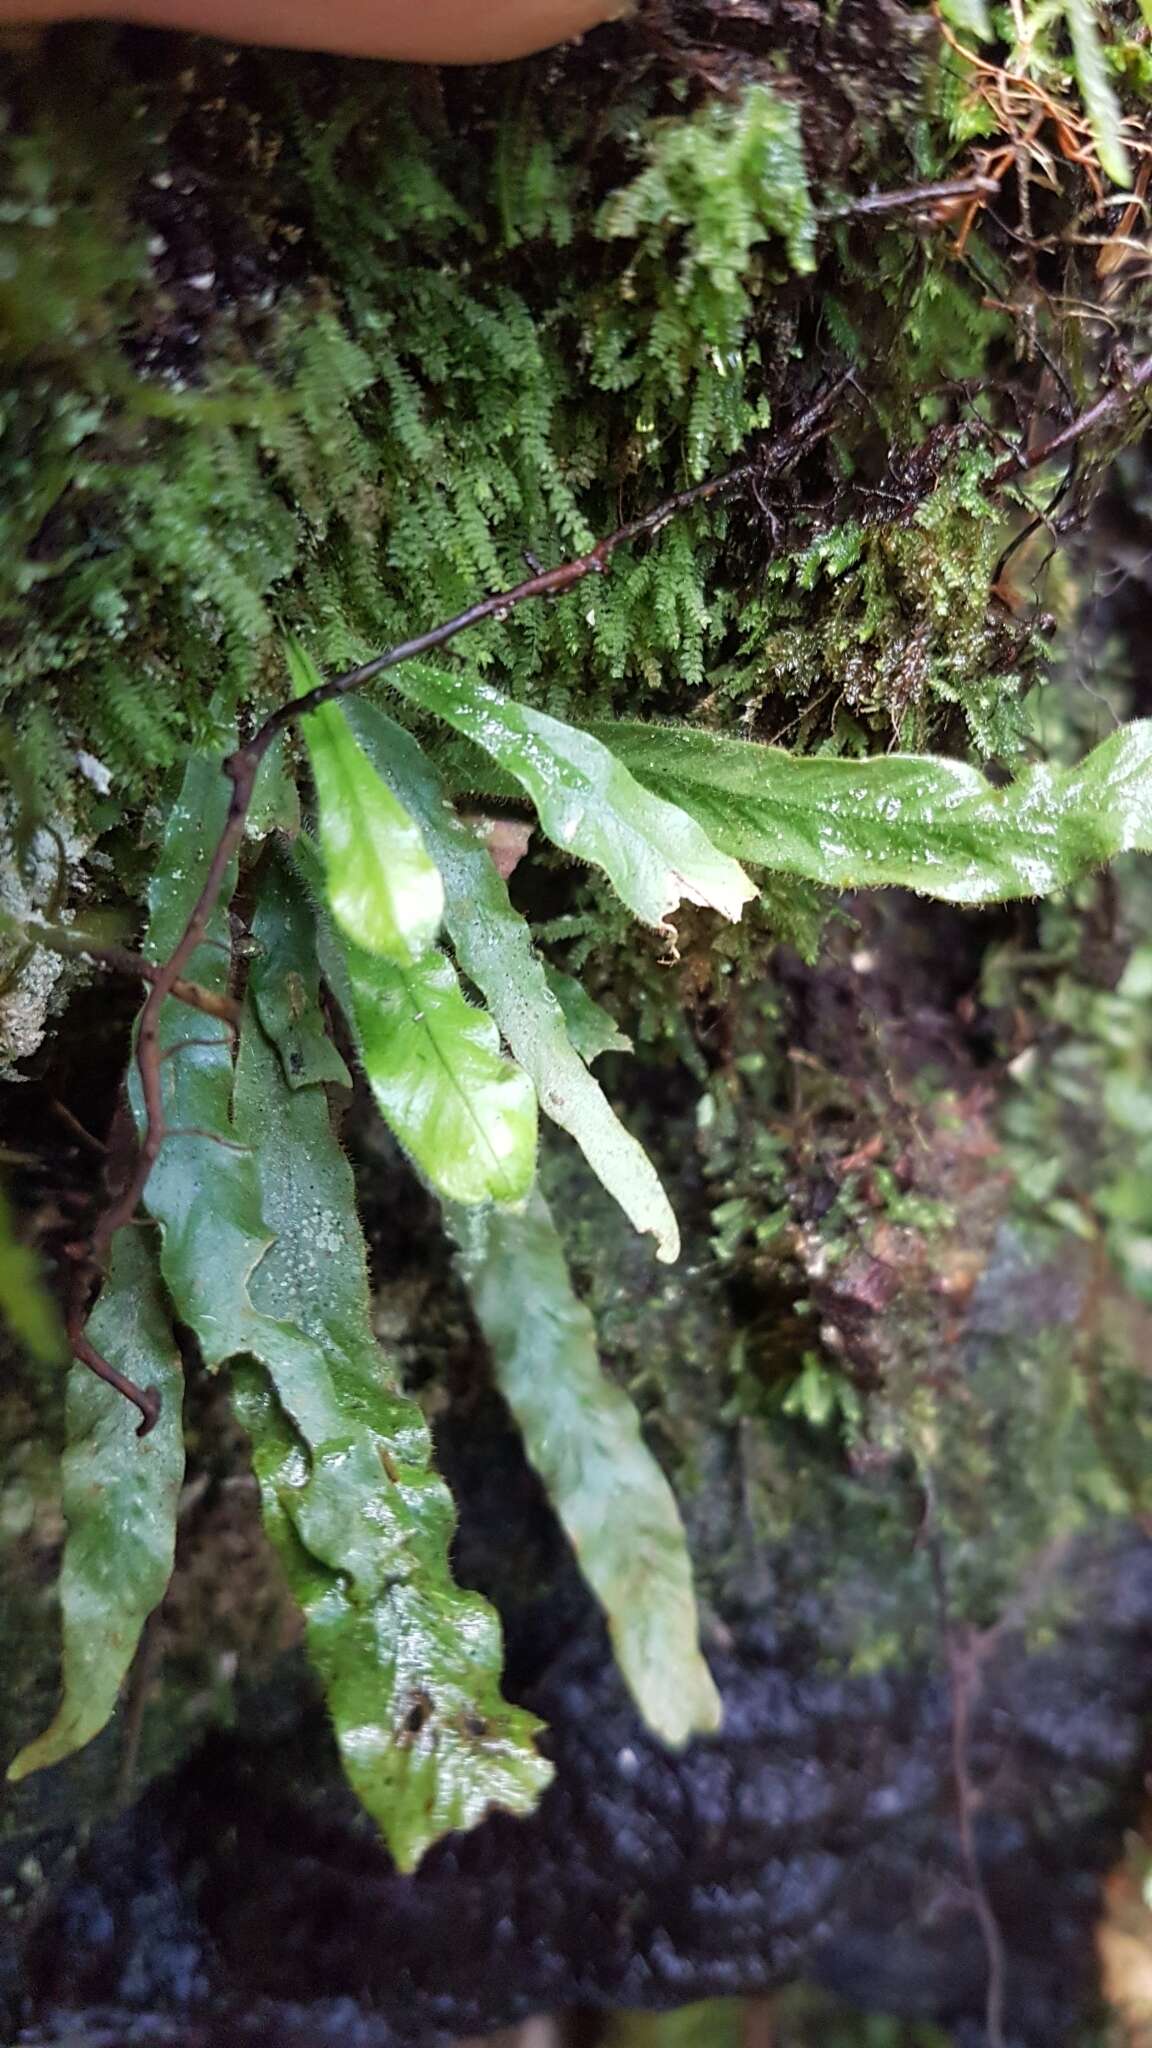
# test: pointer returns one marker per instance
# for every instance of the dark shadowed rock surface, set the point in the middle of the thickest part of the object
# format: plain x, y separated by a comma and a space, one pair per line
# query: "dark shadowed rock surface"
245, 1899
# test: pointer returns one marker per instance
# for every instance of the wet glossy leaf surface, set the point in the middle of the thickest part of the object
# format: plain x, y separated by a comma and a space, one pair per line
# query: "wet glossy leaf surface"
410, 1663
582, 1434
286, 985
263, 1256
120, 1496
275, 805
1098, 91
588, 1025
464, 1112
588, 804
383, 890
494, 947
910, 821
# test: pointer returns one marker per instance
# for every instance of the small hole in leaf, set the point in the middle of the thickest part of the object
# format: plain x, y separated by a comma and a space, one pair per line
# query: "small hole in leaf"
418, 1714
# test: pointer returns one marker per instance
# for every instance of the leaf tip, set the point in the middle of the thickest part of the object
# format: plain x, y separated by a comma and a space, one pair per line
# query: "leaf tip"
36, 1755
705, 1714
662, 1225
728, 890
744, 891
696, 1710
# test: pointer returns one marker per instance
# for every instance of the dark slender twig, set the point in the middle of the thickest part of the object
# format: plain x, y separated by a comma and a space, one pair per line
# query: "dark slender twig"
1109, 407
146, 1666
241, 769
964, 1660
909, 197
967, 1651
1105, 412
77, 1129
73, 945
146, 1399
770, 460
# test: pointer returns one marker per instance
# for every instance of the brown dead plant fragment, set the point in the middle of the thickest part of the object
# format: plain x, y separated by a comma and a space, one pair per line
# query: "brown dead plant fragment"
1040, 129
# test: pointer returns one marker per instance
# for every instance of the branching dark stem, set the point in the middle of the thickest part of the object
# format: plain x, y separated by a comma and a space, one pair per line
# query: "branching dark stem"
1112, 406
73, 945
769, 461
964, 1660
911, 197
1106, 412
241, 769
146, 1399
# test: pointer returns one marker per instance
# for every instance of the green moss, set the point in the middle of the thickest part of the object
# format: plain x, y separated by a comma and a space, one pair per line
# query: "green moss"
411, 427
416, 329
719, 188
1076, 1137
884, 623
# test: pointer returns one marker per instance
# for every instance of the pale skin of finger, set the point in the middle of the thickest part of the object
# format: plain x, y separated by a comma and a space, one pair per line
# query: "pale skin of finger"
414, 31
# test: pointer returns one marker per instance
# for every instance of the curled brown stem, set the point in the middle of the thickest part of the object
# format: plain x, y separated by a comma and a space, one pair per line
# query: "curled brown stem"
146, 1399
